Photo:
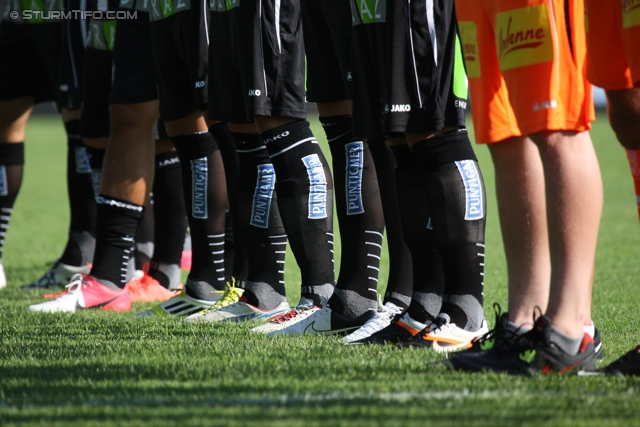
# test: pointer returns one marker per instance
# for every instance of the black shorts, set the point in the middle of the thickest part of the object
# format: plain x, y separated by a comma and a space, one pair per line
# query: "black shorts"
74, 33
180, 44
30, 59
327, 41
134, 79
402, 81
98, 66
258, 61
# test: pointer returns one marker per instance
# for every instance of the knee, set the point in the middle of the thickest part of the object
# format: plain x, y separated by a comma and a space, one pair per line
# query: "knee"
132, 118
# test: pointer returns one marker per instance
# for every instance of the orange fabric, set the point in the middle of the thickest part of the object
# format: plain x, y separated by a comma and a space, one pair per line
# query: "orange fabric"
613, 41
412, 331
523, 76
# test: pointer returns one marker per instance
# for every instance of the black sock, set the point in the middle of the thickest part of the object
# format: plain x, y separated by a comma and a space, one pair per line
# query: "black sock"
205, 195
170, 219
258, 213
400, 280
96, 159
116, 225
82, 203
11, 168
235, 259
305, 200
457, 201
145, 237
360, 218
428, 279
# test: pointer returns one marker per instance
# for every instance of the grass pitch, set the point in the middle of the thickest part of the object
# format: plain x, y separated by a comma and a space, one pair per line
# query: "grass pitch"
111, 368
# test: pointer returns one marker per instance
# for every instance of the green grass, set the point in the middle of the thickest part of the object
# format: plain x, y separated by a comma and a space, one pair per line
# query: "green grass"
111, 368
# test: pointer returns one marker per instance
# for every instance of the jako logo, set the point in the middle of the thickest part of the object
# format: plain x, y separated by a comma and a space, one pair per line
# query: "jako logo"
168, 162
255, 92
523, 39
400, 108
200, 84
545, 105
282, 135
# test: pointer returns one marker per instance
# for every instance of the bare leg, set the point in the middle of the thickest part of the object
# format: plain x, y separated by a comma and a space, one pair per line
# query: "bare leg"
624, 116
128, 163
522, 208
14, 114
574, 206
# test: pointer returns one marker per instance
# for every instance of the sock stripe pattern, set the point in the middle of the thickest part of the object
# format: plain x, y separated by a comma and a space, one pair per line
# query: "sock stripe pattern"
205, 195
360, 217
124, 269
279, 247
374, 248
305, 199
5, 217
266, 239
480, 255
216, 247
11, 169
235, 258
401, 276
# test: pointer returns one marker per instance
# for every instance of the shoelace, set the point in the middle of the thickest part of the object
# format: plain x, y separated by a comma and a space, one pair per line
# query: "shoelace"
527, 340
47, 280
284, 318
373, 325
497, 310
75, 284
382, 317
438, 323
231, 296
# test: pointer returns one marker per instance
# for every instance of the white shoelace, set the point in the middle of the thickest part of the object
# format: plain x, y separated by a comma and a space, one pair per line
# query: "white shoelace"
381, 319
75, 284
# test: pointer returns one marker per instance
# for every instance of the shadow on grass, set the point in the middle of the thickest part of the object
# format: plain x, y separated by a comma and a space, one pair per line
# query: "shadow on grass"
153, 394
